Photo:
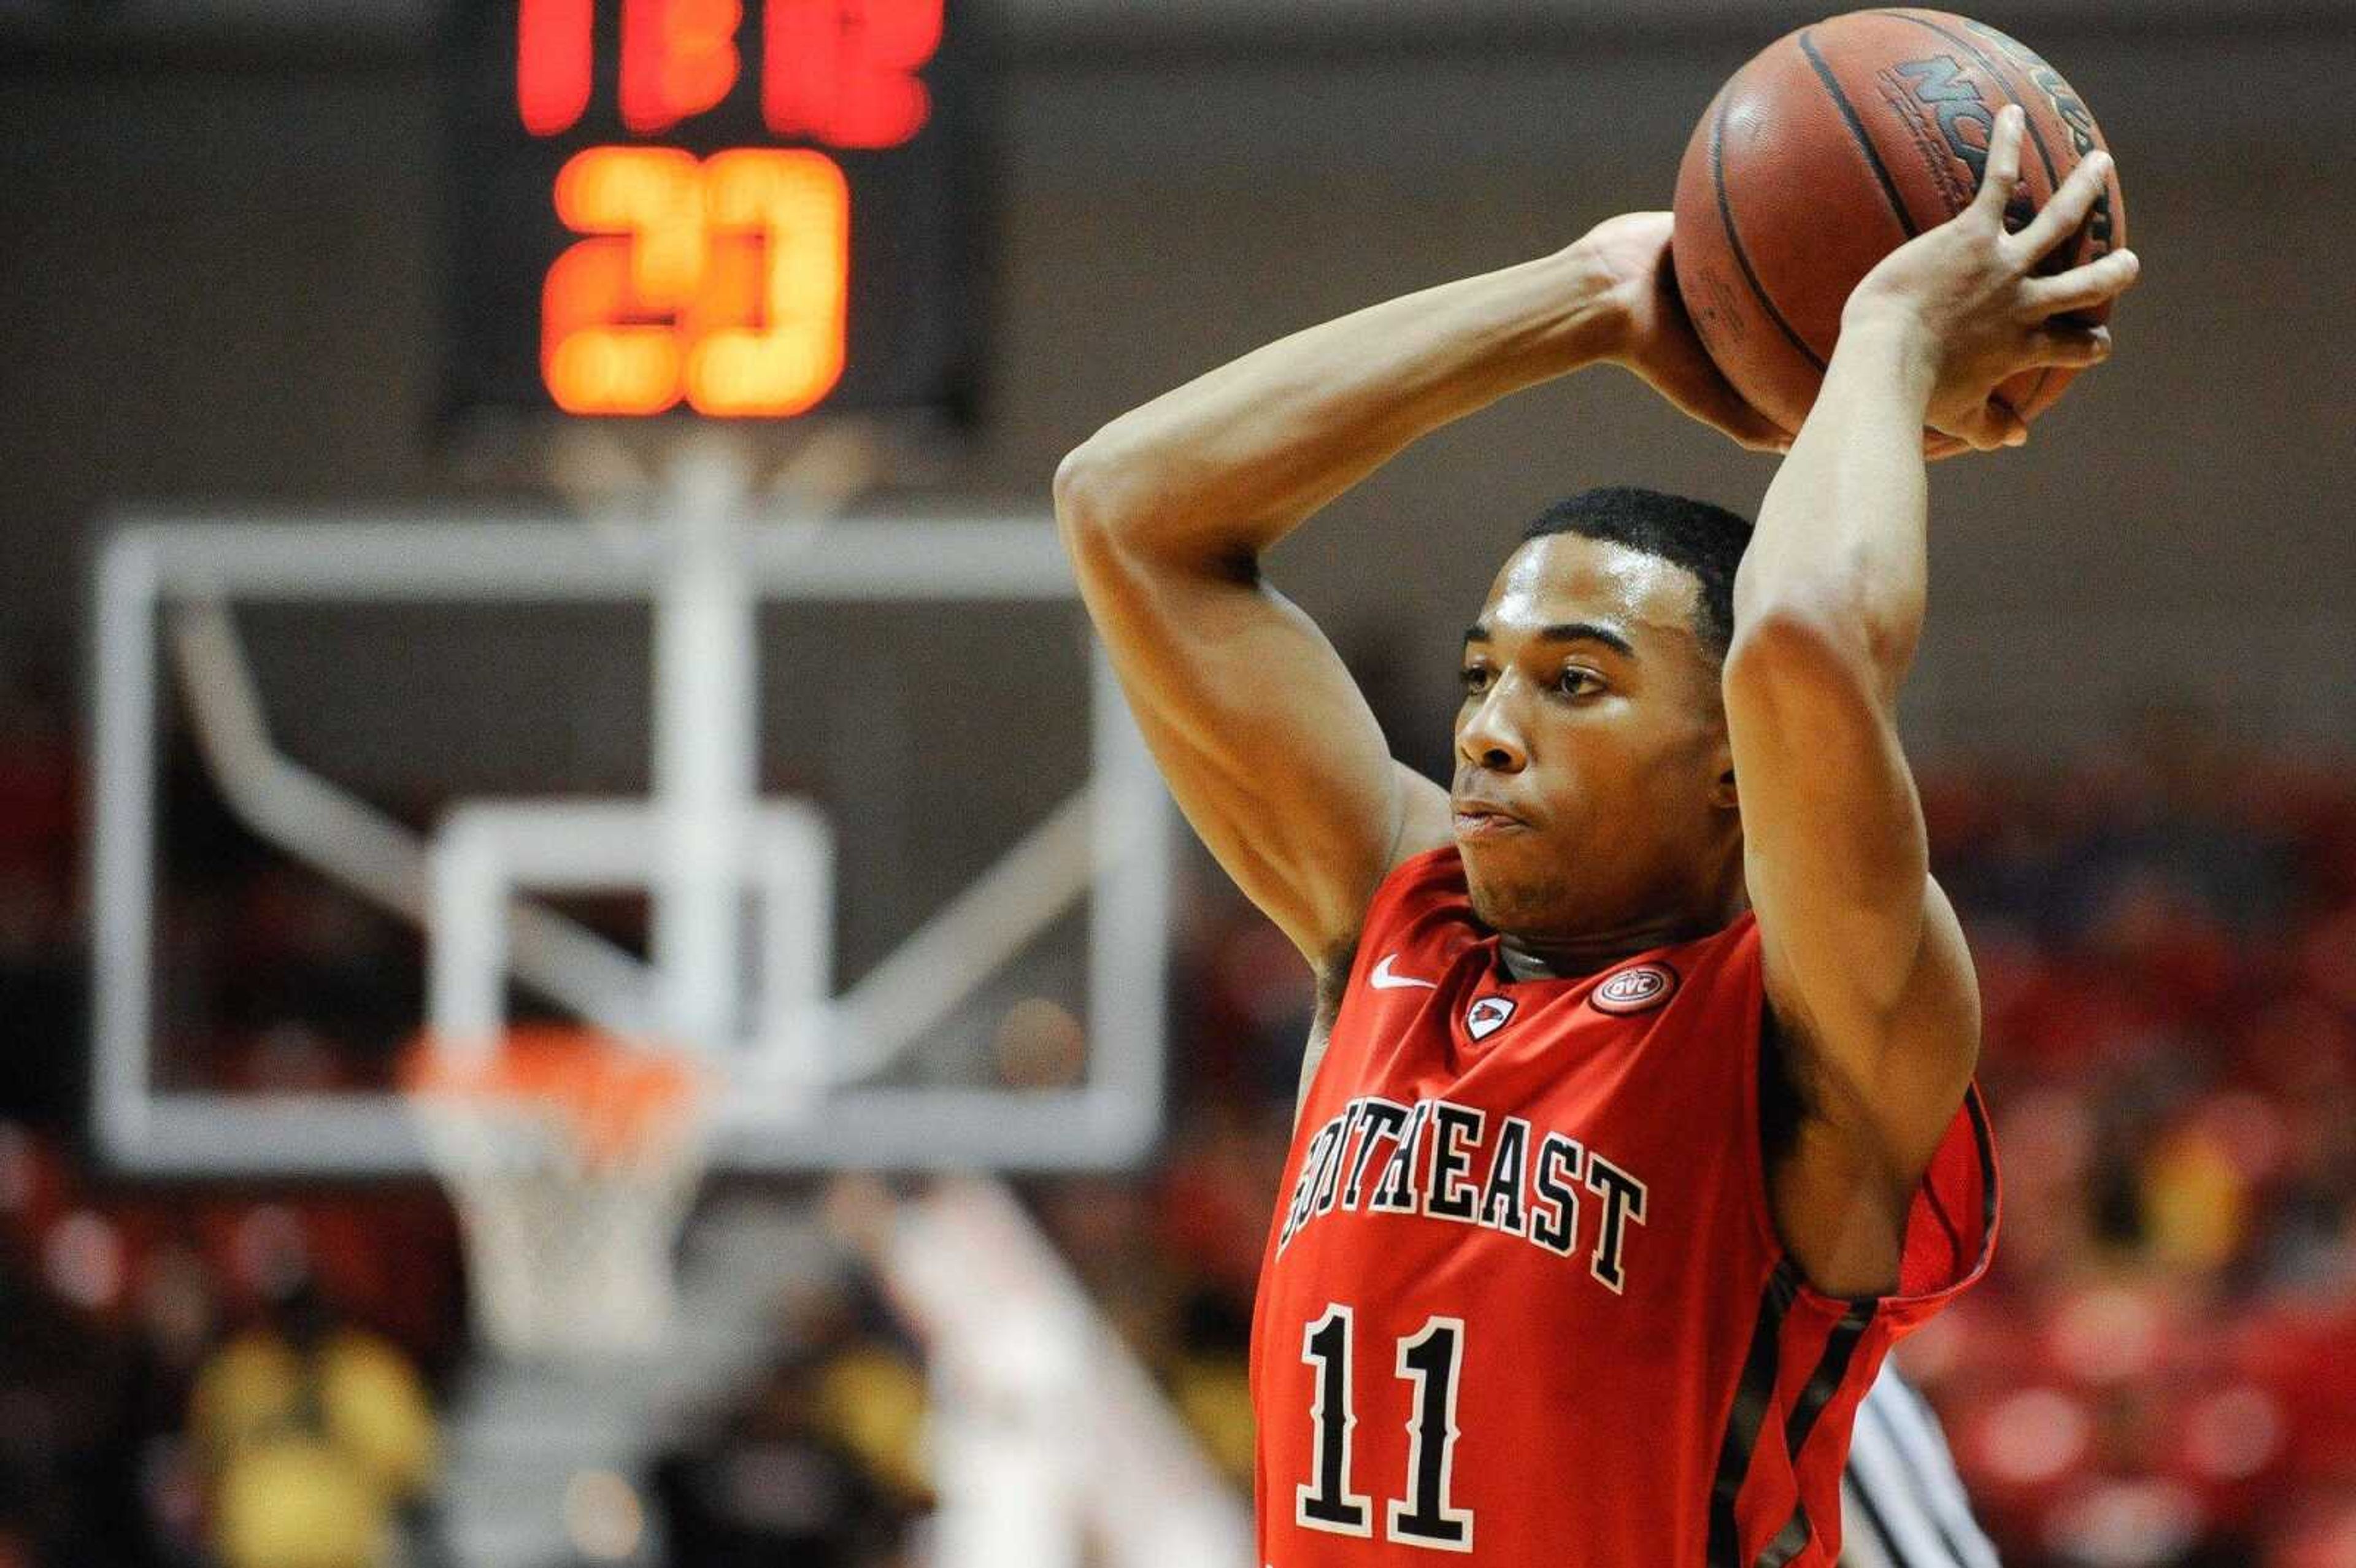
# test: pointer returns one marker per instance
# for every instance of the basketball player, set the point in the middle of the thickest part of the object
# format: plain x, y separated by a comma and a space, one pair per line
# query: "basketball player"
1637, 1121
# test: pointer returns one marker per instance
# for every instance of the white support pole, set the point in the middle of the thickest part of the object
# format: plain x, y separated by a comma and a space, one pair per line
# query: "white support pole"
1053, 1446
705, 740
122, 860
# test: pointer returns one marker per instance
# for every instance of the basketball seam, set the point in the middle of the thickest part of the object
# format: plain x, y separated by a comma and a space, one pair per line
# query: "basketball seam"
1734, 238
2028, 123
1857, 131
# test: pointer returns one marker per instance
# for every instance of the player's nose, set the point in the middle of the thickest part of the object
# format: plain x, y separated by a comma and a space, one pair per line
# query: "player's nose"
1489, 739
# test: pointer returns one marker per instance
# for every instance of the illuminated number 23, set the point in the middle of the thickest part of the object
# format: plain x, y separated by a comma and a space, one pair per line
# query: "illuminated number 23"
723, 282
1430, 1360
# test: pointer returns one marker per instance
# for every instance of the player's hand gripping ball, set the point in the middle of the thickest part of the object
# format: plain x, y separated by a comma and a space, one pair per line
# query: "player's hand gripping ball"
1965, 304
1837, 144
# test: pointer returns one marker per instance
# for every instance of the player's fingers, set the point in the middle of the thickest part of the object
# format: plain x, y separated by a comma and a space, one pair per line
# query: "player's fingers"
2068, 209
2080, 288
1938, 445
2072, 347
1699, 388
2002, 173
1684, 373
2010, 429
1751, 430
1721, 410
1992, 425
1759, 433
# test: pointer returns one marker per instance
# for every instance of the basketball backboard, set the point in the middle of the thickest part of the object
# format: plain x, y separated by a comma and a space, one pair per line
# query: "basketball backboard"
935, 940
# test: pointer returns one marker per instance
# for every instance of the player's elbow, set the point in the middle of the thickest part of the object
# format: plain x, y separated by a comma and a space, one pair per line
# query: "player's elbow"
1083, 505
1100, 508
1113, 511
1827, 642
1116, 481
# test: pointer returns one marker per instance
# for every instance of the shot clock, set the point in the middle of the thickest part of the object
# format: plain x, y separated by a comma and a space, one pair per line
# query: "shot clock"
735, 208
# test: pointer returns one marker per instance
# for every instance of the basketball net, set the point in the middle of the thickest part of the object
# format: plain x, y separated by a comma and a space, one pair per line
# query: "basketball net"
571, 1157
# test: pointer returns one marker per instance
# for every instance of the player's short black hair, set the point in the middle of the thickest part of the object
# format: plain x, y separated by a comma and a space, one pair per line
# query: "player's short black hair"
1705, 541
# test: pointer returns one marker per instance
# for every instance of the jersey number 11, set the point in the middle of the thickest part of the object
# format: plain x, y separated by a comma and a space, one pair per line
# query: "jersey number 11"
1430, 1360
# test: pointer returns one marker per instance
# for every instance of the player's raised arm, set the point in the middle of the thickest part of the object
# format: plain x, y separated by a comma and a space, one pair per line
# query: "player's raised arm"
1866, 972
1267, 744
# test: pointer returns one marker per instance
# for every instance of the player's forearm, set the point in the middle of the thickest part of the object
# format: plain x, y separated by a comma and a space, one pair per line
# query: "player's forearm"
1840, 551
1228, 464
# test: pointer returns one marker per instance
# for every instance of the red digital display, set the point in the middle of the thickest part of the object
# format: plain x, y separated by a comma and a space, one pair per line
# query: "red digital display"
702, 268
849, 83
679, 60
841, 72
555, 61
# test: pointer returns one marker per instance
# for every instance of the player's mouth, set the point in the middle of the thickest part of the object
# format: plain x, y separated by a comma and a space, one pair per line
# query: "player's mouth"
1485, 819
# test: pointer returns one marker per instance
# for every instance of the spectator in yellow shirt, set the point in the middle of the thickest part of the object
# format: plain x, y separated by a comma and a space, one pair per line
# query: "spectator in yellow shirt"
314, 1437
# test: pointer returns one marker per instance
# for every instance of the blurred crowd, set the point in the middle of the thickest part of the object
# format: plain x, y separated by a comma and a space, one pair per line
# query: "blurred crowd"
2160, 1371
180, 1386
2162, 1366
819, 1463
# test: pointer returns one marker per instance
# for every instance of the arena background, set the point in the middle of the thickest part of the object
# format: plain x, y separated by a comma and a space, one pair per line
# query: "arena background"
223, 251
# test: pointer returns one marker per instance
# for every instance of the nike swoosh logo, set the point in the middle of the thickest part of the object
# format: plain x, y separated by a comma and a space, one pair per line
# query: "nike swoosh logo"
1384, 980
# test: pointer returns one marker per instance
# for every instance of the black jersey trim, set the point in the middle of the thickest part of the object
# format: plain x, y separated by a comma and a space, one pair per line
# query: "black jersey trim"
1832, 1370
1747, 1413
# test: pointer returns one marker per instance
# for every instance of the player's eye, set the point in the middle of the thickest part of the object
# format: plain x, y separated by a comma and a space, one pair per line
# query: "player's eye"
1477, 679
1577, 682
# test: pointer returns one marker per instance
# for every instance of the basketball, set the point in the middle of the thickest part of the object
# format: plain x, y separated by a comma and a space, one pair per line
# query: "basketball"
1834, 145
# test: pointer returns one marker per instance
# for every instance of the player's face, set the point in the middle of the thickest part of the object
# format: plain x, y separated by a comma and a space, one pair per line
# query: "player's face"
1591, 790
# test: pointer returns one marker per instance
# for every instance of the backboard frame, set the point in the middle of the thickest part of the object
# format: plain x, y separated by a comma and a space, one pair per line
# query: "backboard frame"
154, 566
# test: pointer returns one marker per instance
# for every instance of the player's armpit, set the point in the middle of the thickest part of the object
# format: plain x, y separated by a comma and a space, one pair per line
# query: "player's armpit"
1266, 741
1856, 1147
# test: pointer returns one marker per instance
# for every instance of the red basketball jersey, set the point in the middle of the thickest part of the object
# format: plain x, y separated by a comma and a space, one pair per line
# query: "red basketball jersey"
1523, 1297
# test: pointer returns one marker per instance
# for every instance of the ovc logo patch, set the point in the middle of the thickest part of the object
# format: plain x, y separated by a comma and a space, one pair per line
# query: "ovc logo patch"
1635, 989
